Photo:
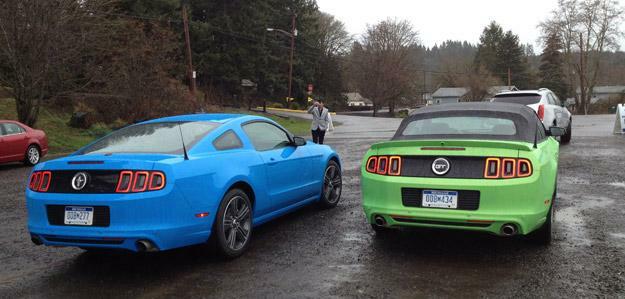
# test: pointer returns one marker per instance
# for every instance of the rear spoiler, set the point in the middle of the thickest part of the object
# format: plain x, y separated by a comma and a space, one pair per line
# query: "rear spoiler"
451, 144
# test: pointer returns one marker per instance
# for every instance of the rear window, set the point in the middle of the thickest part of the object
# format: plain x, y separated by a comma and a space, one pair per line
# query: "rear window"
461, 125
517, 98
156, 138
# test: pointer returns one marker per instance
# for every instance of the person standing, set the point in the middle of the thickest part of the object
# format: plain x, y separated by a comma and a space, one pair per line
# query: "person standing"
321, 121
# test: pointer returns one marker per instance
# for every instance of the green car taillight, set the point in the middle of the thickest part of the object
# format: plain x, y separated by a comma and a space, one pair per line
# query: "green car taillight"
507, 168
384, 165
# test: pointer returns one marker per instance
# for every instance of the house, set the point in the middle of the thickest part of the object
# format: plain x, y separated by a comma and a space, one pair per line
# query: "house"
602, 93
354, 99
446, 95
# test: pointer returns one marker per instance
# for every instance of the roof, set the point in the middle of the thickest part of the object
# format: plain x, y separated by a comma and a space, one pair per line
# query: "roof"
356, 97
525, 119
448, 92
213, 117
616, 89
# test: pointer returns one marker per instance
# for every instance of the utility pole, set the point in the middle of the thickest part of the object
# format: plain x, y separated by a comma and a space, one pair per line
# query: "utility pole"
509, 78
187, 40
293, 34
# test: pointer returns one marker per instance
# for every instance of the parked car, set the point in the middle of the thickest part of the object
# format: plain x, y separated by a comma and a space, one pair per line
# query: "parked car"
21, 143
177, 181
550, 110
487, 167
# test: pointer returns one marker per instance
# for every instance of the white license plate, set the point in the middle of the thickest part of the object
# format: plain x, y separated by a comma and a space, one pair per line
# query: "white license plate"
79, 215
440, 199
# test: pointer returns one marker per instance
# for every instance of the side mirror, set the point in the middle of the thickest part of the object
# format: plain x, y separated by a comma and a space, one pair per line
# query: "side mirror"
556, 131
299, 141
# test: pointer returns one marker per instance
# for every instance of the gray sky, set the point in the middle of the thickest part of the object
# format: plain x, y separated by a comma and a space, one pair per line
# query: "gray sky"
440, 20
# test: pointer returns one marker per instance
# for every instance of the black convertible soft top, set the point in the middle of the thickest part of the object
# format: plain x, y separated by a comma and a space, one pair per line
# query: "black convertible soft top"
524, 118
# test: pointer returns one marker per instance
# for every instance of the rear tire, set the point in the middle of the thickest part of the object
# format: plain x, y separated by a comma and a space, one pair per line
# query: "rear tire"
232, 230
332, 185
566, 138
32, 156
543, 235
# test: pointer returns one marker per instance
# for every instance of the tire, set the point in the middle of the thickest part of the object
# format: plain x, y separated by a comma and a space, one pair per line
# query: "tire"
233, 224
33, 155
543, 235
566, 138
332, 186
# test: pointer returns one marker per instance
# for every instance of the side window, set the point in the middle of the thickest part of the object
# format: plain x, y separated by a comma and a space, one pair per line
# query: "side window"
227, 140
265, 136
555, 99
2, 133
11, 129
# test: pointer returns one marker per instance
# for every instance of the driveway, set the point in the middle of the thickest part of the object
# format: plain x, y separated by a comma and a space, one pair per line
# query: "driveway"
334, 253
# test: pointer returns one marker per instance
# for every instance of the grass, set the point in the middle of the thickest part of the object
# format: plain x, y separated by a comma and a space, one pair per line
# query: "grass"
65, 139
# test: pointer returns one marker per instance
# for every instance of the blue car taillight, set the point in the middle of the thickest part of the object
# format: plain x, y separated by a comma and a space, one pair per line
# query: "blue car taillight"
40, 181
140, 181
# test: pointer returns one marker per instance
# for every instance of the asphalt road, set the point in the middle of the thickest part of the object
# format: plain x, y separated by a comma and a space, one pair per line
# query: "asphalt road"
321, 253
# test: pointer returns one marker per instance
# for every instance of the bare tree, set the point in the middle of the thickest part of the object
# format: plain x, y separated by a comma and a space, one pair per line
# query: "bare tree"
384, 64
587, 29
333, 37
41, 46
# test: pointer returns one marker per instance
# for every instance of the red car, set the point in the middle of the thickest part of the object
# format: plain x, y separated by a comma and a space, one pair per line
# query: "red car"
21, 143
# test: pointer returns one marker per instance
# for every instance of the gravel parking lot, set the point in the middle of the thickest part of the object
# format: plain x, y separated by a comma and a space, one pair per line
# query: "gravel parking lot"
319, 253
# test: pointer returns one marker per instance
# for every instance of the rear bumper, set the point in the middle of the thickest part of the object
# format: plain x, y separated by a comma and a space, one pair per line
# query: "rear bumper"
523, 202
163, 218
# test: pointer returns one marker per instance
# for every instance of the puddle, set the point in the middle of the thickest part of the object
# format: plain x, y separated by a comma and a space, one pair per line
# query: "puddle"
618, 184
573, 221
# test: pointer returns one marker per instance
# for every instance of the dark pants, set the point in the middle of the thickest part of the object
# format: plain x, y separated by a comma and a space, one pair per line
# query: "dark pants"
318, 136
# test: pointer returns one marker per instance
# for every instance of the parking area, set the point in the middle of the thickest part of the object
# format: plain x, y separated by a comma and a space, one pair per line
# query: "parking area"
320, 253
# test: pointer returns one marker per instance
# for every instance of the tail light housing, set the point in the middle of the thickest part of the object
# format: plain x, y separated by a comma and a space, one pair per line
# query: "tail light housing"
507, 168
40, 181
140, 181
541, 111
384, 165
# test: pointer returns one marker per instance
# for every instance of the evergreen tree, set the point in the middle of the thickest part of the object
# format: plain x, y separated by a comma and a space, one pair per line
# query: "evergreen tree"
499, 52
551, 69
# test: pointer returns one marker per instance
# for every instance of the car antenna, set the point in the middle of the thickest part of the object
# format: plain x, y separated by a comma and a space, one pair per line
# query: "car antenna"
536, 138
184, 148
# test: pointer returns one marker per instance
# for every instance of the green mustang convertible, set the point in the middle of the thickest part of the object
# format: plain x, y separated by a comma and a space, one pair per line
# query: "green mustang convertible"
488, 167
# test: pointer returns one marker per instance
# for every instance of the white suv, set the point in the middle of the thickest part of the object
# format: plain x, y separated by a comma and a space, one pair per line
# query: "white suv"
550, 110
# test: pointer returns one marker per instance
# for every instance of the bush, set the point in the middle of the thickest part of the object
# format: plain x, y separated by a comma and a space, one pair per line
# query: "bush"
402, 113
603, 106
275, 105
294, 106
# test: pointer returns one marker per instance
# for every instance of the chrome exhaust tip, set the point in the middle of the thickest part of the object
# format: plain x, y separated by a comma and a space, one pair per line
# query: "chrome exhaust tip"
508, 230
36, 240
145, 246
379, 220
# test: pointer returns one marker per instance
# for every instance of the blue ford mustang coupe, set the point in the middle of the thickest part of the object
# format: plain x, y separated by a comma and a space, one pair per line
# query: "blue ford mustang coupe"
177, 181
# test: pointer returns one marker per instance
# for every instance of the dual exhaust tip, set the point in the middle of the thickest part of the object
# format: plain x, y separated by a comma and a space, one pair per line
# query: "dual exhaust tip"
509, 230
379, 220
146, 246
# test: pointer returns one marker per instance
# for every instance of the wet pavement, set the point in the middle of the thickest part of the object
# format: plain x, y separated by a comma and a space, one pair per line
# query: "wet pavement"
334, 253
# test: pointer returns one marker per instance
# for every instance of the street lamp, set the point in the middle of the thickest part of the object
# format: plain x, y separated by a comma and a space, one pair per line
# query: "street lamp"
292, 35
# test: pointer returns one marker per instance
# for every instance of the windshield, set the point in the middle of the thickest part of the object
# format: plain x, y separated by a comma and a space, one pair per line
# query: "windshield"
461, 125
157, 138
516, 98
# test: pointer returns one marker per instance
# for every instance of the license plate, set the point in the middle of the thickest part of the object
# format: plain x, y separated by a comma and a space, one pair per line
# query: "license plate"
79, 215
440, 199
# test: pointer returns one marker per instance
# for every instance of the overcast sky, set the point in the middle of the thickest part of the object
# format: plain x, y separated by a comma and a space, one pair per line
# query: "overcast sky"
440, 20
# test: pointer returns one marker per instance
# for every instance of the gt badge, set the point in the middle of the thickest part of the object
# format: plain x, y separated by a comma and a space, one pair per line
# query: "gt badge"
440, 166
79, 180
